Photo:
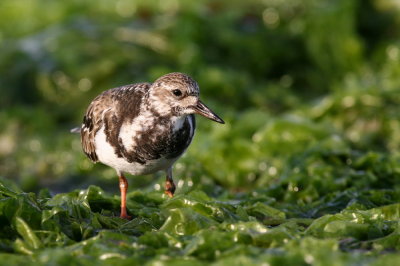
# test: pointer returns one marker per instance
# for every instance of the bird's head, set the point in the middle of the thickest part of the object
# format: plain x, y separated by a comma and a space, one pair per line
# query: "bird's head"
178, 94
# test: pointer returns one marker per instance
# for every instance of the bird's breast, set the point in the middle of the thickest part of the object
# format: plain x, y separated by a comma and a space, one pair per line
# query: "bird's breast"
151, 137
181, 136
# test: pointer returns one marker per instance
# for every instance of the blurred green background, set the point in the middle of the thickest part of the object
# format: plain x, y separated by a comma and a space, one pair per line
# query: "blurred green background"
309, 89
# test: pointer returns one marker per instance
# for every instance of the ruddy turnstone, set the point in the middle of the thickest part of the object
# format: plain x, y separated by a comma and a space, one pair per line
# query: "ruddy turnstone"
143, 128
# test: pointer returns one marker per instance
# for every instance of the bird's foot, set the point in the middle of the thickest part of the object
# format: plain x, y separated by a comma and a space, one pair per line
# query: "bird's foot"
124, 215
169, 188
169, 193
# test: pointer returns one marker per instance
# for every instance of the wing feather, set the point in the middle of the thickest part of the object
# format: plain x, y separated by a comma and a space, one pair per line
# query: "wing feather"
109, 109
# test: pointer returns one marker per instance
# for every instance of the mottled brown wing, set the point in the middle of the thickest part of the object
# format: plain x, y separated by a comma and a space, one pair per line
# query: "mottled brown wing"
93, 122
110, 109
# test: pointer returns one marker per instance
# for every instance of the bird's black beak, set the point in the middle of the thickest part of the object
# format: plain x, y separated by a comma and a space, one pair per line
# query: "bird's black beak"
201, 109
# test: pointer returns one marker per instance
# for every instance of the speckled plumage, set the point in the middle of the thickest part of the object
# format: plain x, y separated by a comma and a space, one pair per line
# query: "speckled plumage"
143, 128
136, 133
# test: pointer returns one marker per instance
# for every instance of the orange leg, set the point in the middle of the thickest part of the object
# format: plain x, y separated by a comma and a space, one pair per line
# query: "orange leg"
123, 187
169, 184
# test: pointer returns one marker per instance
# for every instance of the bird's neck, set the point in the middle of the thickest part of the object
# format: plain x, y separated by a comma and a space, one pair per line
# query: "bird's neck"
156, 107
164, 114
177, 122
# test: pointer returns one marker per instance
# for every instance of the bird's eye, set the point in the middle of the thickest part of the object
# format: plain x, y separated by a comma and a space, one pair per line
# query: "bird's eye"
177, 93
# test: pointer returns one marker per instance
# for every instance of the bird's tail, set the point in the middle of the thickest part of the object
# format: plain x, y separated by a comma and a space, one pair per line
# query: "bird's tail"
75, 130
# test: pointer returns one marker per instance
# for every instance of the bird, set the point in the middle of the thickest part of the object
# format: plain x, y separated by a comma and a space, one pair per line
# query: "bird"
143, 128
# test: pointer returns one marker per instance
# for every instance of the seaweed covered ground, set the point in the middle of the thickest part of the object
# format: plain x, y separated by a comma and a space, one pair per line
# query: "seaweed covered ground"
352, 225
306, 170
309, 196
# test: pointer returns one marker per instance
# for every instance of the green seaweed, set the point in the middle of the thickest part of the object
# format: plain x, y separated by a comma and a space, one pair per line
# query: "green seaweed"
306, 170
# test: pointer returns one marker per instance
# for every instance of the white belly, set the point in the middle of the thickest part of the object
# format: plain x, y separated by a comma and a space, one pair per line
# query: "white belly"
107, 156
